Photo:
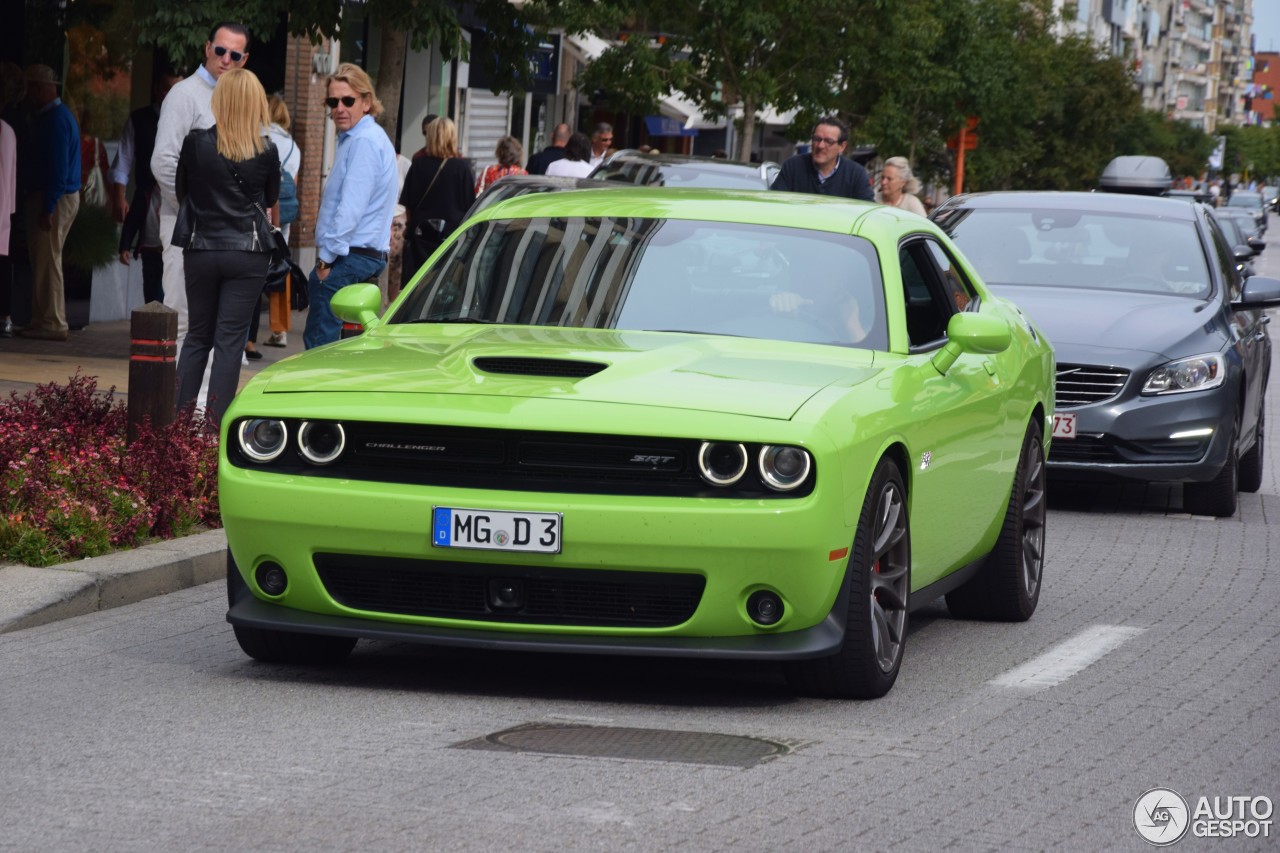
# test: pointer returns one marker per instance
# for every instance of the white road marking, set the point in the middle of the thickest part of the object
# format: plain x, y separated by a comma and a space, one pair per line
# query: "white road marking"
1066, 659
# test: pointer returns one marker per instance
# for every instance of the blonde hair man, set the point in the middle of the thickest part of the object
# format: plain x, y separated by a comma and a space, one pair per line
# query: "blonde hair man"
353, 228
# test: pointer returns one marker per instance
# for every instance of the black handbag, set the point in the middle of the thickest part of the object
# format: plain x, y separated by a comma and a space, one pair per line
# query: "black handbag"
280, 260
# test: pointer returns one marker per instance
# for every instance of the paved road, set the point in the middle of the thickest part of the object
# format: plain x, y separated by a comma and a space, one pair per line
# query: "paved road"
1153, 661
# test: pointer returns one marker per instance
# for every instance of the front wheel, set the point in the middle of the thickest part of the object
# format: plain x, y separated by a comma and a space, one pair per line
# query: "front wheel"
867, 664
1251, 463
1007, 587
1218, 496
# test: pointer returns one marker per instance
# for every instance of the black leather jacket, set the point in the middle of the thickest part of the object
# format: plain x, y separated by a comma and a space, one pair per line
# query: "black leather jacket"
214, 213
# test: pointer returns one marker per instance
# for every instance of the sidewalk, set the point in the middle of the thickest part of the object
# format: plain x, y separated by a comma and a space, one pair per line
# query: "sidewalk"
30, 596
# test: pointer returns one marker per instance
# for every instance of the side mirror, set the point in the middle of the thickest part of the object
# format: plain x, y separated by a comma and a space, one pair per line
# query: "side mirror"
357, 303
973, 333
1242, 253
1259, 292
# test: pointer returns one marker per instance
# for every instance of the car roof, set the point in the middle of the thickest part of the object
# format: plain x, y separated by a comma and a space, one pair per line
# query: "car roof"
798, 210
1122, 203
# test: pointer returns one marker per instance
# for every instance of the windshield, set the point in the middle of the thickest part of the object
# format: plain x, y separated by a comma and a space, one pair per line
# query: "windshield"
1239, 199
1071, 248
756, 281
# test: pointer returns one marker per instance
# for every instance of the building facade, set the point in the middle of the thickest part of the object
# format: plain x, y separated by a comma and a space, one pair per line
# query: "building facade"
1191, 59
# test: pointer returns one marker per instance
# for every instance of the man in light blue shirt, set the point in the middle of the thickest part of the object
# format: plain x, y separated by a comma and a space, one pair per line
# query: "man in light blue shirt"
353, 229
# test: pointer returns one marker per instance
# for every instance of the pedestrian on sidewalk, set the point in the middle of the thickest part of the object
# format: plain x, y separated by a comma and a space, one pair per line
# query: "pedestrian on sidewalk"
278, 303
10, 80
140, 218
187, 108
51, 166
353, 228
227, 177
898, 186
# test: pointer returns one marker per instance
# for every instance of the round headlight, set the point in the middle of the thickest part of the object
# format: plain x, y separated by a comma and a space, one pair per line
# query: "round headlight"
783, 468
262, 439
321, 443
722, 463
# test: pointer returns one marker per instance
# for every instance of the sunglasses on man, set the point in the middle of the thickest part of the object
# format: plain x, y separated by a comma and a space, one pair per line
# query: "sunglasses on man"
220, 51
347, 101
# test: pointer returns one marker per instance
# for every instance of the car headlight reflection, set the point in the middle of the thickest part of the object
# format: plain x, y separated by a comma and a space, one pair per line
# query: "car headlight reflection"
1186, 374
262, 439
722, 463
321, 443
783, 468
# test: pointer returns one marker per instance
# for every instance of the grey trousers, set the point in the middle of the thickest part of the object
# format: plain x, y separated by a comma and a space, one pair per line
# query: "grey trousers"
222, 290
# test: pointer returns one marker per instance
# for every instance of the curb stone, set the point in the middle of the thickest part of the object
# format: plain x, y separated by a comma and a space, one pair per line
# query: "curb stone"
30, 597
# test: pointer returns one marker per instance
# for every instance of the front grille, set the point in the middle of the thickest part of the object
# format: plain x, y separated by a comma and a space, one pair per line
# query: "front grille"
519, 460
1086, 384
450, 590
559, 367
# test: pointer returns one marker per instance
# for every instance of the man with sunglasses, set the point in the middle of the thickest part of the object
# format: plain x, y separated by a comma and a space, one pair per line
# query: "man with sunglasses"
825, 170
353, 227
187, 108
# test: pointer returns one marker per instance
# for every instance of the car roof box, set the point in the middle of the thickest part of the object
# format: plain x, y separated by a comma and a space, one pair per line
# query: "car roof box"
1136, 174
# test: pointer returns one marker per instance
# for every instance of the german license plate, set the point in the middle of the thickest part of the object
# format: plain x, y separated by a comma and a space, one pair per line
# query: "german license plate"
493, 530
1064, 425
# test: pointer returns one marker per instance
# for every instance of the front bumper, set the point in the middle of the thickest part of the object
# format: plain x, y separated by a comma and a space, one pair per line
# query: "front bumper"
796, 549
819, 641
1173, 438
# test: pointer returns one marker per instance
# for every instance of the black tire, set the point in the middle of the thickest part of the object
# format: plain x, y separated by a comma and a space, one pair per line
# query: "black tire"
1250, 471
879, 578
281, 646
1007, 586
1218, 496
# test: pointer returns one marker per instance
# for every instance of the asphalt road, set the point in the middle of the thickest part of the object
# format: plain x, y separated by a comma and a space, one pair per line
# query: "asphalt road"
1151, 662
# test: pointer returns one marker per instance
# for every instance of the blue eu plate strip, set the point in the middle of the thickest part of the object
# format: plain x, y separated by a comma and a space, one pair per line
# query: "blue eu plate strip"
441, 525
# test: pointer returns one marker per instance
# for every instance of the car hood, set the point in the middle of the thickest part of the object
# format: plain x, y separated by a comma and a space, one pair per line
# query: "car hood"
759, 378
1080, 322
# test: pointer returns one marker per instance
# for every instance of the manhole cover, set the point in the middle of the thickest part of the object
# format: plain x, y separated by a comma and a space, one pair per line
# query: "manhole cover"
642, 744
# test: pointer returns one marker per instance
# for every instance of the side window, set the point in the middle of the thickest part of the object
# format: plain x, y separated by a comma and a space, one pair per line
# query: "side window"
956, 288
928, 305
1226, 259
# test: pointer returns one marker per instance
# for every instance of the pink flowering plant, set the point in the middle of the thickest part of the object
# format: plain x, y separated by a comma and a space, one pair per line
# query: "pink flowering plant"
72, 486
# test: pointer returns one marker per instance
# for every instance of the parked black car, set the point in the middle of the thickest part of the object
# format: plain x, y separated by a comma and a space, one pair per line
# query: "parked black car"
1162, 344
630, 166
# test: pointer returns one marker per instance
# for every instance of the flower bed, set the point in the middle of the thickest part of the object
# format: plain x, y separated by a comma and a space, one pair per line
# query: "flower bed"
72, 486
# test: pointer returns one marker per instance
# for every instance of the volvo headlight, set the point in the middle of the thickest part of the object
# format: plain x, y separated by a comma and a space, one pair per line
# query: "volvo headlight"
783, 468
1187, 374
262, 439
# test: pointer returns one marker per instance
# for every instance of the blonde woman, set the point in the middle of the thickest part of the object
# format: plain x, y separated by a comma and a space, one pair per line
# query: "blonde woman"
437, 193
898, 187
227, 176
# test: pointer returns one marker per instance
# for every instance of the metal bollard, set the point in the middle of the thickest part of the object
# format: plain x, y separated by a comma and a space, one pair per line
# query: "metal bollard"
153, 366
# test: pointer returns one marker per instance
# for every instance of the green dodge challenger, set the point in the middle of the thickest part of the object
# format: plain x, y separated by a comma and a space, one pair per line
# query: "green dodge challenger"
707, 423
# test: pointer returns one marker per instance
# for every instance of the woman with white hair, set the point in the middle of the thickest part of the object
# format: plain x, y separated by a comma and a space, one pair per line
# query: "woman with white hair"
898, 186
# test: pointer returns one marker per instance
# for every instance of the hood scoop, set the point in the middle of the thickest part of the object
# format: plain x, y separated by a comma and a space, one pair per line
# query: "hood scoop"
519, 366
